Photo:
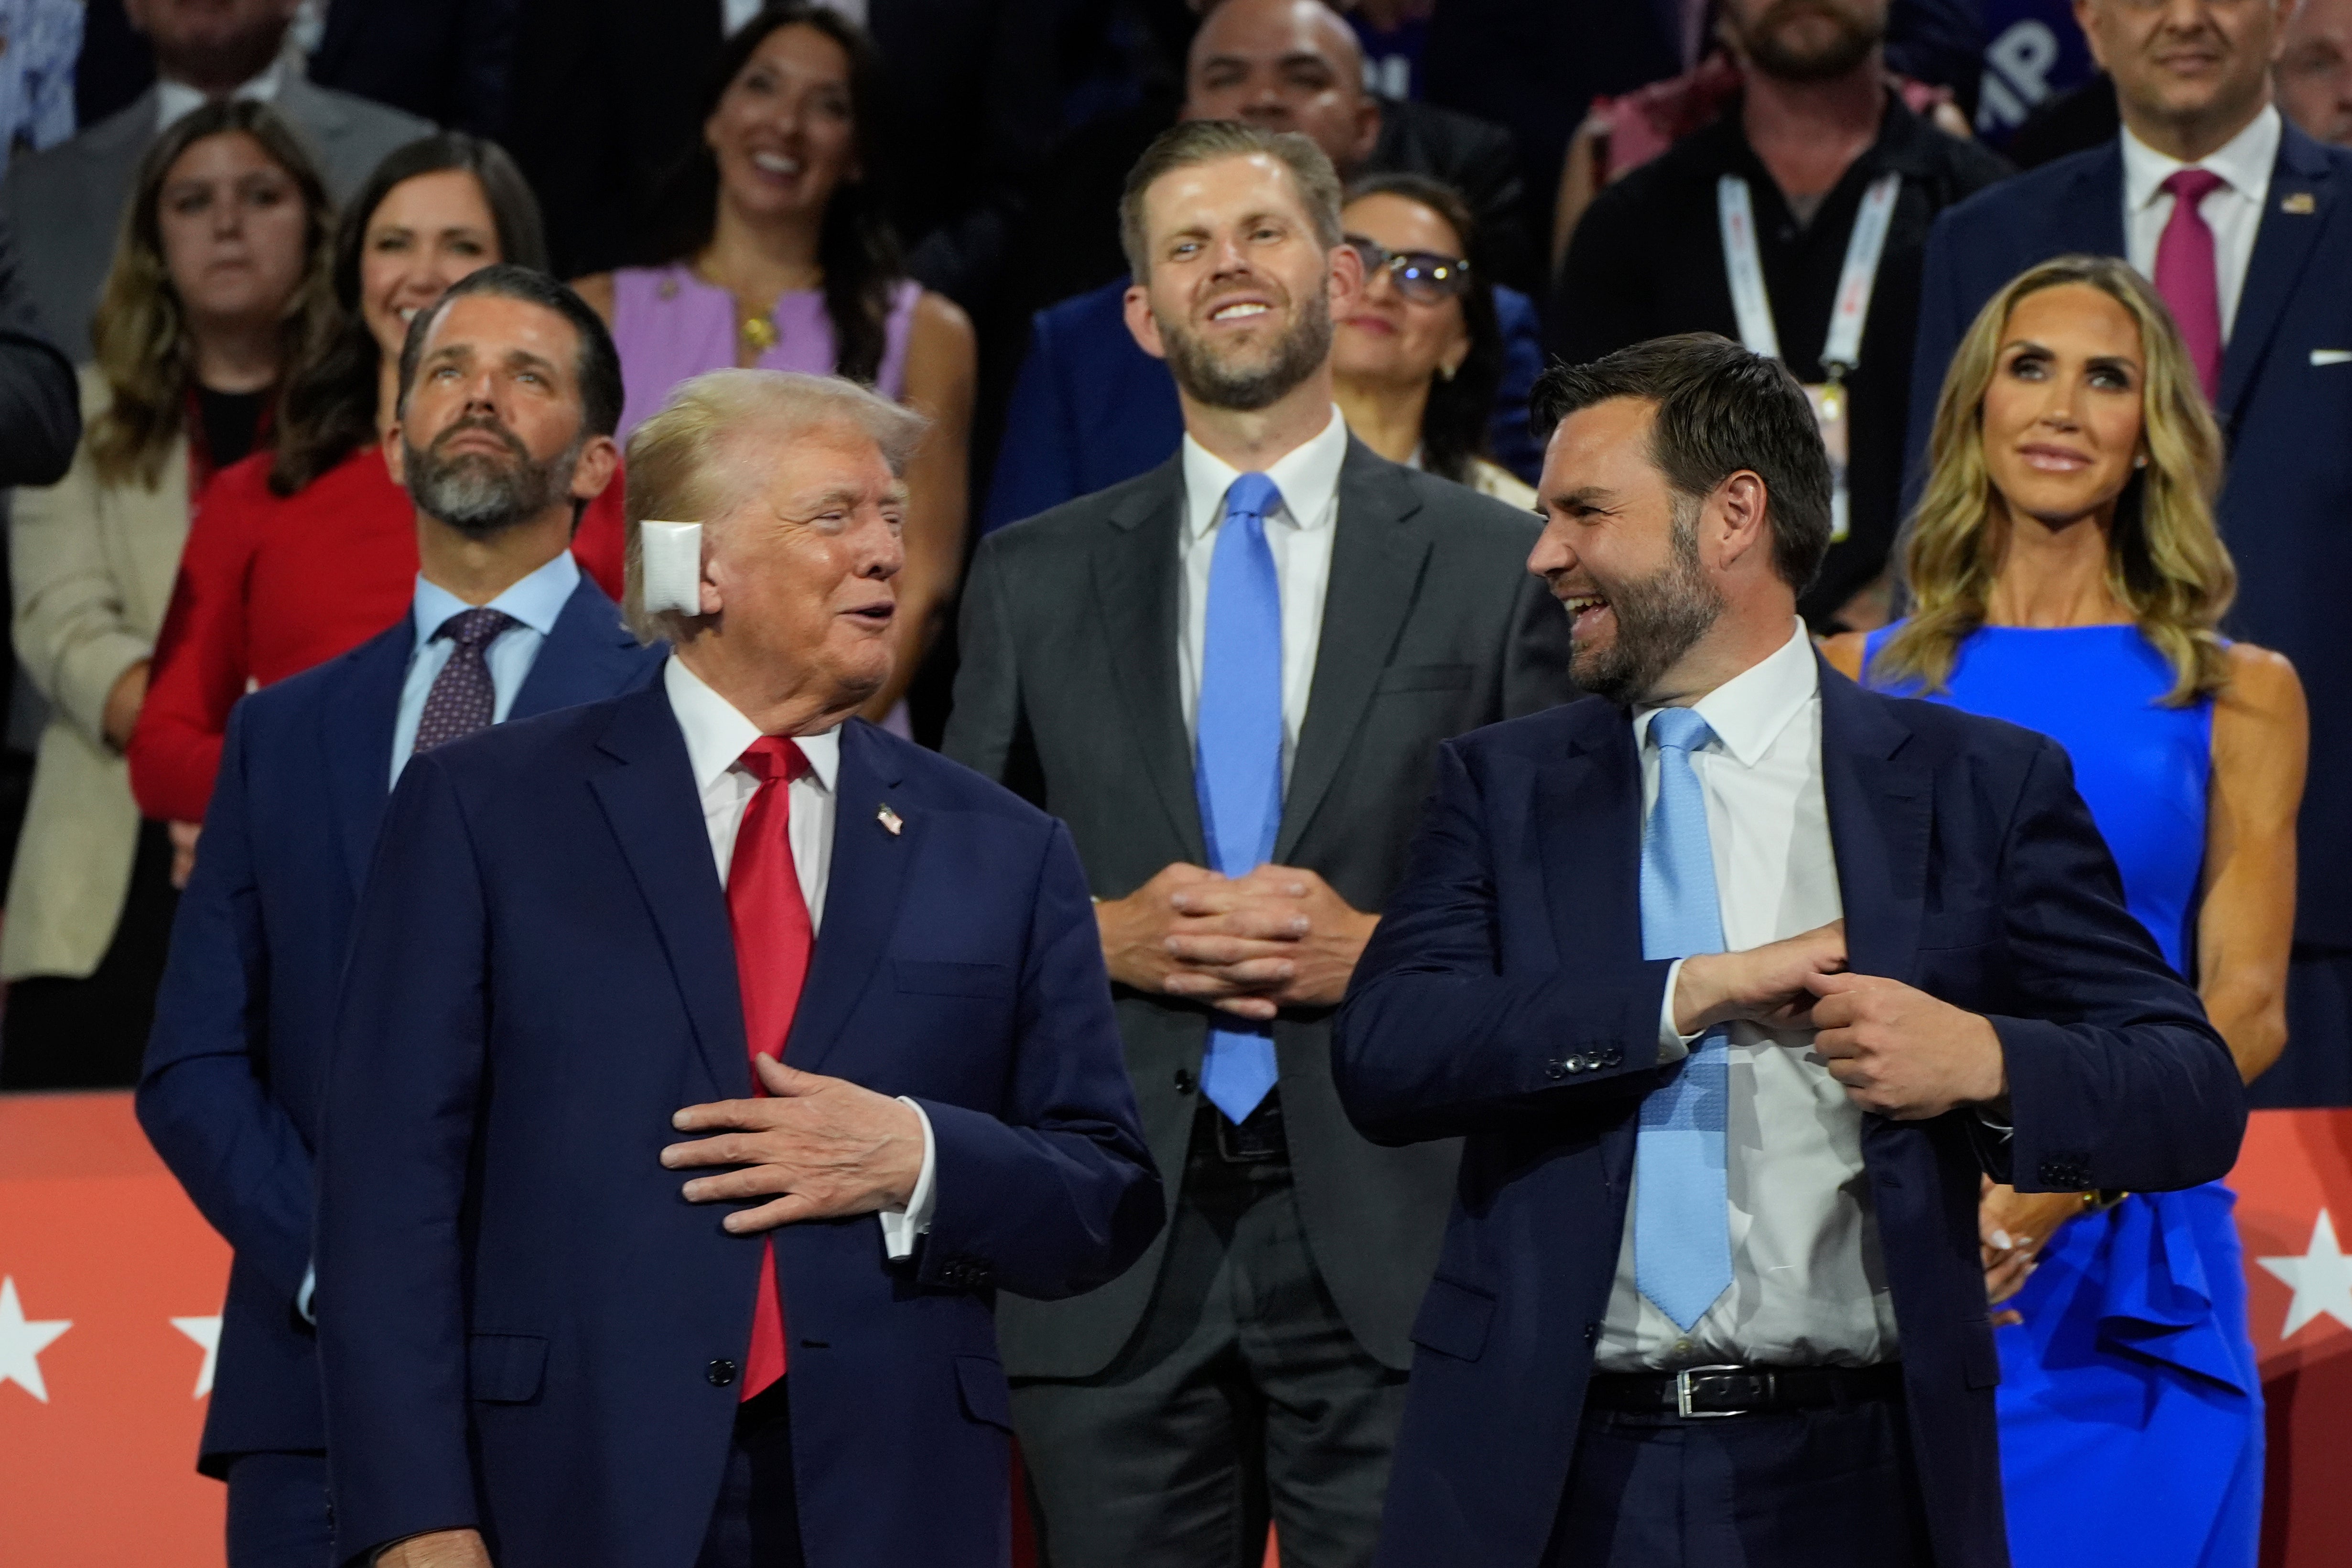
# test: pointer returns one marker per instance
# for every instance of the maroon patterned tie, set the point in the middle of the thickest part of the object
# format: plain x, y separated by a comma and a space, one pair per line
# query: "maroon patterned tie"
463, 698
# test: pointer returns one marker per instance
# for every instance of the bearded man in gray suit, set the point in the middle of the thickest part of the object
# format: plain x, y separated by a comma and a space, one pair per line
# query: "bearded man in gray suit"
66, 204
1230, 677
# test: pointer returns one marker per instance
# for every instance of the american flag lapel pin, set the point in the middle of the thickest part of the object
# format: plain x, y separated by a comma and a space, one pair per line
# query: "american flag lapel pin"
890, 820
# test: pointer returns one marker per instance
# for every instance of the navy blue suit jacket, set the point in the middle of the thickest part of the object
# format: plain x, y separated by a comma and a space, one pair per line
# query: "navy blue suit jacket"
2285, 509
230, 1091
1504, 999
520, 1315
1090, 409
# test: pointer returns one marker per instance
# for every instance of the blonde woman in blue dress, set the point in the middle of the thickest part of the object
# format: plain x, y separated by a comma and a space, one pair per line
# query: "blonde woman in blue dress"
2065, 574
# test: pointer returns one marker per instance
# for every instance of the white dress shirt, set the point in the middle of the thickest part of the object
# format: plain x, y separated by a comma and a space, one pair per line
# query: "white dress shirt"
2234, 212
534, 602
715, 738
1807, 1286
174, 101
1299, 535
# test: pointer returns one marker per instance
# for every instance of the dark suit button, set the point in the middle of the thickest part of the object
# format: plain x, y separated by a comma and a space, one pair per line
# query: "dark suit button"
1591, 1333
719, 1372
1555, 1069
1185, 1080
1613, 1057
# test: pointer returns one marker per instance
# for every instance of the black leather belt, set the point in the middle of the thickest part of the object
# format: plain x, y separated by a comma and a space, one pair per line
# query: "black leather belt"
1706, 1391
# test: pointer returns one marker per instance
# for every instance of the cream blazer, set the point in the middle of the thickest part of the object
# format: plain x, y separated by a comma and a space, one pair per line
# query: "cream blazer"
93, 567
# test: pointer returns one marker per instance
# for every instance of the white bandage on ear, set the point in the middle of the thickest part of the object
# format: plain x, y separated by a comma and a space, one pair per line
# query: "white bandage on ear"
671, 554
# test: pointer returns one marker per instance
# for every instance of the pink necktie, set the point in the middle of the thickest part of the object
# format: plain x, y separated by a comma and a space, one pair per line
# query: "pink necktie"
2186, 275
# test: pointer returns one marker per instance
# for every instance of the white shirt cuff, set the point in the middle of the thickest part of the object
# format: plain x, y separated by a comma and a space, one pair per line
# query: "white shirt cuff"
900, 1227
302, 1297
1673, 1044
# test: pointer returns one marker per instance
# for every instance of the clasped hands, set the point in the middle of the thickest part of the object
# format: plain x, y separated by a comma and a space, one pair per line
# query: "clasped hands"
1899, 1052
1251, 946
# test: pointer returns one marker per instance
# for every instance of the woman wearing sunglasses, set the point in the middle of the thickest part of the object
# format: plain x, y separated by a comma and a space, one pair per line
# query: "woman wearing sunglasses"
1418, 359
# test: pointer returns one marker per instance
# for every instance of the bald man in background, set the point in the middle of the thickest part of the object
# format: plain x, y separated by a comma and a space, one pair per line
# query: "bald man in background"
2314, 73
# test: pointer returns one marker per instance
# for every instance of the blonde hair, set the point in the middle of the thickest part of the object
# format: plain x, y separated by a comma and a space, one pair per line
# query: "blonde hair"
681, 469
2166, 561
141, 332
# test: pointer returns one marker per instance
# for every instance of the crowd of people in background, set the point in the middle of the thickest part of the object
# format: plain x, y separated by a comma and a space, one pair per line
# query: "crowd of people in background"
2065, 289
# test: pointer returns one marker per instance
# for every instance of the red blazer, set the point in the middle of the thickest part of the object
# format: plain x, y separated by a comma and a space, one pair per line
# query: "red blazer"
270, 586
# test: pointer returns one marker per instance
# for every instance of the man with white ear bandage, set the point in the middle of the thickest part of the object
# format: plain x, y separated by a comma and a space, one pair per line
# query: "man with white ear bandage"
651, 1003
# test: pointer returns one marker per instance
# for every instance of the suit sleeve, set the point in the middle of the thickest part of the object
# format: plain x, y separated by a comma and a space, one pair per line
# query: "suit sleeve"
985, 721
72, 632
1036, 466
1508, 439
1535, 668
1060, 1194
40, 407
201, 1096
402, 1089
200, 671
1942, 321
2116, 1079
1433, 1041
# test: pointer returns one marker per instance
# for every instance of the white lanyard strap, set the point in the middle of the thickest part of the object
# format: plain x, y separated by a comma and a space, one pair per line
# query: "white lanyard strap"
1743, 266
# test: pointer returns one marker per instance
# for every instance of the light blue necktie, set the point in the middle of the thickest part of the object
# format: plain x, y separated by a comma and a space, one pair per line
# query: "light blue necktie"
1682, 1228
1237, 765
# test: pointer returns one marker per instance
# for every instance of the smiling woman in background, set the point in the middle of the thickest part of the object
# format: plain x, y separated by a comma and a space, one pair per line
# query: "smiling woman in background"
2064, 574
1416, 363
778, 258
219, 282
303, 552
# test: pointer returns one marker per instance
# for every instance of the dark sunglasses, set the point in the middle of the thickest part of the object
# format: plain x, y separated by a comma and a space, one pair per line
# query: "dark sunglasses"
1421, 275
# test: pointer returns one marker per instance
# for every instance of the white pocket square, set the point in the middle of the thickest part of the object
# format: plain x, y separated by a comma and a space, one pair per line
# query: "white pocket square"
2331, 356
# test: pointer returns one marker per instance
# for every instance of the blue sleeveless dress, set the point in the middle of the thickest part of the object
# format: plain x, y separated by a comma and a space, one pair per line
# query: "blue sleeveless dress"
2131, 1411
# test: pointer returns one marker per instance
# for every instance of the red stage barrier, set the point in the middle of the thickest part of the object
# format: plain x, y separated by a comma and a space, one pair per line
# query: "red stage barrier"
110, 1282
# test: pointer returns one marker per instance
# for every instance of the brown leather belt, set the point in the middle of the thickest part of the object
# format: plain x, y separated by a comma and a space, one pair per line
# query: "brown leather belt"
1710, 1391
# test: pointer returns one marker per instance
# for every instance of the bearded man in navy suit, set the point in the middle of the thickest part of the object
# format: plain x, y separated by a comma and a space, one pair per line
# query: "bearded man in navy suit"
1737, 980
2244, 225
654, 1005
511, 393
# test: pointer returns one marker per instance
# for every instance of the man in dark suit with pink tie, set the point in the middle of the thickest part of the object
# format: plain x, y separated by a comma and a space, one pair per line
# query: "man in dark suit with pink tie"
653, 1006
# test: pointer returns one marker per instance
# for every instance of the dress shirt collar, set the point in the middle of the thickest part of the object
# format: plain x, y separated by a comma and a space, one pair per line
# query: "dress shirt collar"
174, 101
1308, 476
535, 601
2245, 160
717, 735
1749, 712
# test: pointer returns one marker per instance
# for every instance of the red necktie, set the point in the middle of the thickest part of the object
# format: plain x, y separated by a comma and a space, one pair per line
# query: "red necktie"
2187, 276
772, 939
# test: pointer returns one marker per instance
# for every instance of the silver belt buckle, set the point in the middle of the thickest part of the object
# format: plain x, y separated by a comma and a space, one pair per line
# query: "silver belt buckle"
1682, 1394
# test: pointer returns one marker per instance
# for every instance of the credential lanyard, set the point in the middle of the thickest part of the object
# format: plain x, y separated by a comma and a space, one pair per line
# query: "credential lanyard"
1842, 349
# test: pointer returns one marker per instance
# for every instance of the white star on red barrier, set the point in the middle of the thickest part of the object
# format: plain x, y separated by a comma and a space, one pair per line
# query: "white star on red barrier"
22, 1342
205, 1332
2321, 1277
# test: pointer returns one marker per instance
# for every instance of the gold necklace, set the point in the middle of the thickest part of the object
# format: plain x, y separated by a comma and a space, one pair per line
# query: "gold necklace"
759, 332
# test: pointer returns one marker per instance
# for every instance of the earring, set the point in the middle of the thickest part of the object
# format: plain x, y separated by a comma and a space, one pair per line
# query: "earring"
1445, 371
2140, 461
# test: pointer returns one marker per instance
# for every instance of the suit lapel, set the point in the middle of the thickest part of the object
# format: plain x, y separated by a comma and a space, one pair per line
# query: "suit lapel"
2092, 219
356, 735
1376, 562
2295, 213
588, 656
862, 891
649, 798
1135, 569
1880, 811
1588, 833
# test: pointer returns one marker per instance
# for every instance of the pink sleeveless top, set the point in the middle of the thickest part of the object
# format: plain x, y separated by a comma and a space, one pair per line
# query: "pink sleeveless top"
668, 325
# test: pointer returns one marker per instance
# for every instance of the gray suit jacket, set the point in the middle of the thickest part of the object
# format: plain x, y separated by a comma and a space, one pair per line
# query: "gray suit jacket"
66, 204
1069, 694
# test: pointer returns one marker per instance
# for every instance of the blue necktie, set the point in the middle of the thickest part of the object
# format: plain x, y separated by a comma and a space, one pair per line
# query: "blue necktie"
1237, 765
1682, 1228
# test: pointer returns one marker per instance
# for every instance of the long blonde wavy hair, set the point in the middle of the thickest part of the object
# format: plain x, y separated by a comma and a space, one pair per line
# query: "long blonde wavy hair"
2166, 561
144, 349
